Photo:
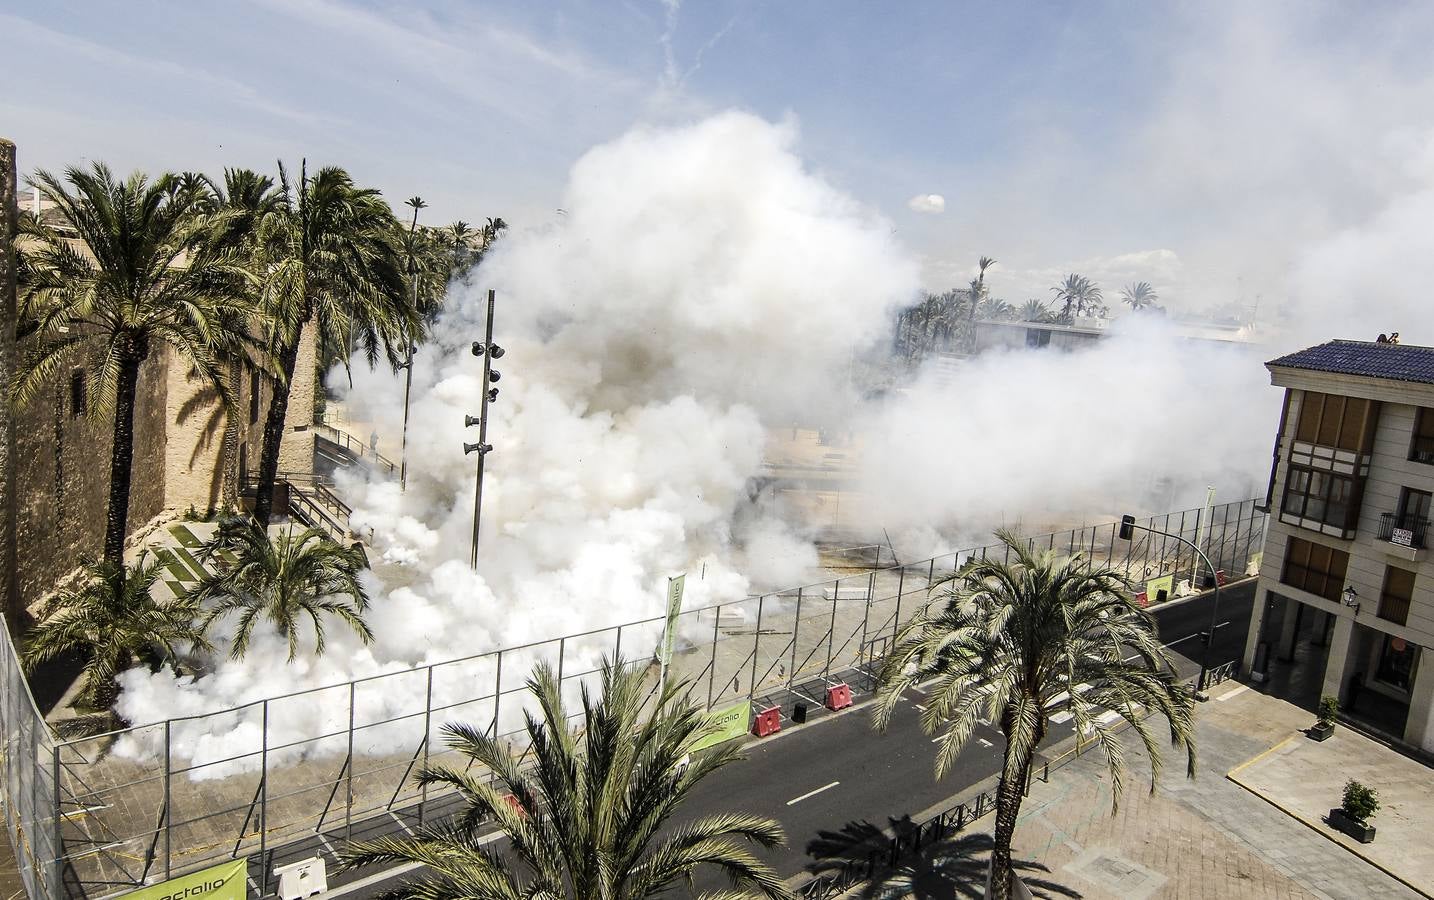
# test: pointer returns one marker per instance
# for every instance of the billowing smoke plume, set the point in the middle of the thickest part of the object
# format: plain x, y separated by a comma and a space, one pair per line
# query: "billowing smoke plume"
1141, 422
700, 282
701, 288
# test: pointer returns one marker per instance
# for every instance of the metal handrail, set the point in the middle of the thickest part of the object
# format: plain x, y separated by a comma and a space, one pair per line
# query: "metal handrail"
352, 444
1418, 529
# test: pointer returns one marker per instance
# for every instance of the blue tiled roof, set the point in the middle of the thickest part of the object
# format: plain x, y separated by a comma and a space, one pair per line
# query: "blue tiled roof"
1397, 362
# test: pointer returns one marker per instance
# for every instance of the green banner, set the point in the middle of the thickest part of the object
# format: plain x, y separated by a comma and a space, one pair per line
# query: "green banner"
730, 722
226, 881
674, 606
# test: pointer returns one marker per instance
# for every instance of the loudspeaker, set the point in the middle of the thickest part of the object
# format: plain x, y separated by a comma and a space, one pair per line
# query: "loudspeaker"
799, 713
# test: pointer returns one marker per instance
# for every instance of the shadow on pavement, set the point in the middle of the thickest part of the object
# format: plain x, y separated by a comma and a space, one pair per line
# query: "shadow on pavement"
890, 867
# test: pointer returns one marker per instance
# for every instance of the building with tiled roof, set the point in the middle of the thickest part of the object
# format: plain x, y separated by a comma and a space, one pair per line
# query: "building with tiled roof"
1345, 600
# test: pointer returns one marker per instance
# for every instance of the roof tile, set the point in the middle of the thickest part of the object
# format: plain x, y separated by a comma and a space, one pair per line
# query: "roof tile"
1397, 362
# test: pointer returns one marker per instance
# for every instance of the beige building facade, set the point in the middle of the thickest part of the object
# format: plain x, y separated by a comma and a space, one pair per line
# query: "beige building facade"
1345, 600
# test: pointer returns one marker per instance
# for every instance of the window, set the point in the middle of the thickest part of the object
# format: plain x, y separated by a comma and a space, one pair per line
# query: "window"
253, 397
1422, 449
1038, 337
1395, 598
79, 397
1330, 420
1324, 497
1396, 662
1315, 568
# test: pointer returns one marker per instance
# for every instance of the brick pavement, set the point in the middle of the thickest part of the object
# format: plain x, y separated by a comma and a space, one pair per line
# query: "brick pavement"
1201, 838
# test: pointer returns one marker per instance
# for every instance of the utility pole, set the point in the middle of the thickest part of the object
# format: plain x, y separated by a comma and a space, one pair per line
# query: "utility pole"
489, 351
9, 230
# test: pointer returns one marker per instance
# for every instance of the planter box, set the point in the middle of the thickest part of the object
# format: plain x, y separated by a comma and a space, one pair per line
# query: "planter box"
1340, 822
1321, 731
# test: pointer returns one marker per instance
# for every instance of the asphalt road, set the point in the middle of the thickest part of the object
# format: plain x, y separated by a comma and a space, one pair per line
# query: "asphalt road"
836, 772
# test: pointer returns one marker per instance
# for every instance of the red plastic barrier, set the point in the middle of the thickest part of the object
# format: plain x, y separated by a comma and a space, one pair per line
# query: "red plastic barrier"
839, 696
769, 721
1142, 598
1220, 578
515, 804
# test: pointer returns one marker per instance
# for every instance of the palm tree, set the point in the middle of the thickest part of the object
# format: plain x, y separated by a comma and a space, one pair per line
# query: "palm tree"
977, 295
238, 206
1139, 295
1034, 310
111, 619
459, 236
129, 270
1022, 640
996, 309
1076, 290
588, 818
283, 580
327, 255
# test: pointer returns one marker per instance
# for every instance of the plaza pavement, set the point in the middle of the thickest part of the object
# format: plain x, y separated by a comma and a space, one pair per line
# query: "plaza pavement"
1209, 837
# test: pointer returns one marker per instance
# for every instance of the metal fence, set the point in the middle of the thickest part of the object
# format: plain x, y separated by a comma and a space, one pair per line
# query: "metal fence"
160, 799
31, 806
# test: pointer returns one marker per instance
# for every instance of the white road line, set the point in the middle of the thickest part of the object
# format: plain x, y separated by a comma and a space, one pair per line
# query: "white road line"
1061, 718
796, 800
1235, 693
919, 706
985, 743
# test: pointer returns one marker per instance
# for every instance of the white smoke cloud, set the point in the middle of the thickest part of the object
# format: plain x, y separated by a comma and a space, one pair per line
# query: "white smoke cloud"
1141, 421
702, 283
927, 203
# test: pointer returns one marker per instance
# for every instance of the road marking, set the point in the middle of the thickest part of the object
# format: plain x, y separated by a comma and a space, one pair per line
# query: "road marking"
937, 740
919, 706
1235, 693
985, 743
796, 800
1195, 635
1061, 718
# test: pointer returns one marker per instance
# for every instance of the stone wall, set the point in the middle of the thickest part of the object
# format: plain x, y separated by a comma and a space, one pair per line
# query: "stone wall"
63, 476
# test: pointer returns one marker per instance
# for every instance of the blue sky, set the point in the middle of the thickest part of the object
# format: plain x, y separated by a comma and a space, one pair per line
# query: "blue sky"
1204, 147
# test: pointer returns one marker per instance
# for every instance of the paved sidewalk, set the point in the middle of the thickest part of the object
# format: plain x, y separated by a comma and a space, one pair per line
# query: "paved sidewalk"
1206, 838
1306, 779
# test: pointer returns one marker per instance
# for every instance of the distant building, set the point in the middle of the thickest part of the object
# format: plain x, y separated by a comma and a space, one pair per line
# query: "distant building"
181, 456
1345, 600
1084, 331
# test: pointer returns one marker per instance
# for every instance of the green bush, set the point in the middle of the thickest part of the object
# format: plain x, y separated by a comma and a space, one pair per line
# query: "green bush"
1360, 802
1328, 709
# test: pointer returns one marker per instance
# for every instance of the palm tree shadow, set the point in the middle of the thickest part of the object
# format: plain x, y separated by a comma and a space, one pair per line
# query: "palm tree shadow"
945, 869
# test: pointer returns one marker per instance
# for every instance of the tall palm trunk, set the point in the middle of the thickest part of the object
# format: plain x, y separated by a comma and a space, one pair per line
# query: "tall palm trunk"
122, 456
10, 598
274, 434
1009, 794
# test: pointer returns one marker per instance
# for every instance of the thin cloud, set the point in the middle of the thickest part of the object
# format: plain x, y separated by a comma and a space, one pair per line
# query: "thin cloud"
933, 204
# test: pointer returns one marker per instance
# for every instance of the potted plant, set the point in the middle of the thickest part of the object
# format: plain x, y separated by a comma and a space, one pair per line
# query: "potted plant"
1358, 807
1324, 725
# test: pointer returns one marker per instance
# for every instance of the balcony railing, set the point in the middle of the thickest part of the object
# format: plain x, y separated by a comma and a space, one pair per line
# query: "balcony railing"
1406, 531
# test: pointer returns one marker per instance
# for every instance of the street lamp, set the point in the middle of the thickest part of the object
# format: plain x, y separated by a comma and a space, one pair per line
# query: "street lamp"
1127, 529
489, 351
416, 203
1351, 599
